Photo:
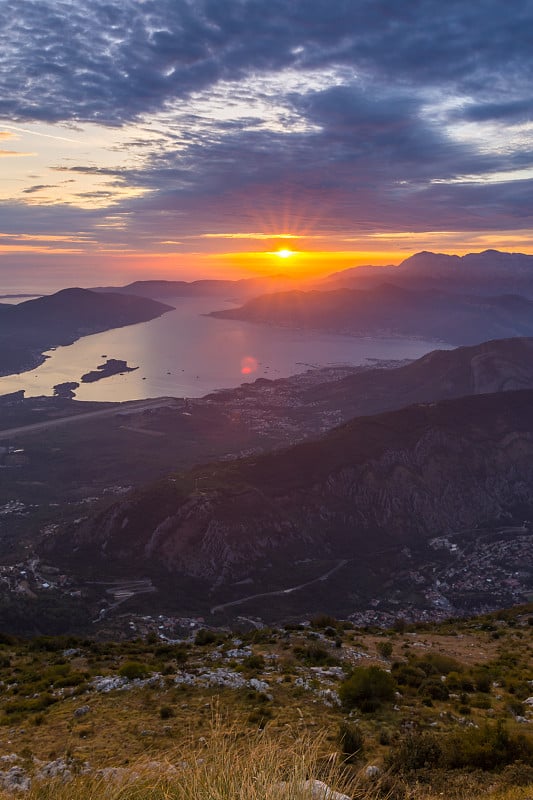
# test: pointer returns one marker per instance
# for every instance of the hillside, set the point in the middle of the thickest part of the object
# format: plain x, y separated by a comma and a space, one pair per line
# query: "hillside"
365, 502
390, 310
72, 468
415, 712
494, 366
30, 328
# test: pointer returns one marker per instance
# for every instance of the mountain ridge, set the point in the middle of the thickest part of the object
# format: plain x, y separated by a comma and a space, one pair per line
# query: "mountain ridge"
489, 272
392, 310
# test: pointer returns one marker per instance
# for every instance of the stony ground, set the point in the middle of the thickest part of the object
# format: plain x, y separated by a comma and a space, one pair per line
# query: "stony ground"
71, 707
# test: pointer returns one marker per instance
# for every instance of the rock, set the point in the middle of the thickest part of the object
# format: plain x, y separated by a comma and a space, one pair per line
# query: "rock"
15, 780
117, 775
110, 683
318, 790
259, 686
239, 652
9, 758
81, 711
330, 697
55, 769
372, 771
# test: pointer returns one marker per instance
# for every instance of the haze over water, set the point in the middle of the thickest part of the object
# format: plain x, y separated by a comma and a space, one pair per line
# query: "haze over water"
187, 354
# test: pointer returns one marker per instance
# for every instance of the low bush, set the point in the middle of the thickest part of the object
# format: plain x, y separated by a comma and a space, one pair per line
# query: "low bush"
133, 670
315, 655
385, 649
417, 750
351, 741
367, 688
489, 747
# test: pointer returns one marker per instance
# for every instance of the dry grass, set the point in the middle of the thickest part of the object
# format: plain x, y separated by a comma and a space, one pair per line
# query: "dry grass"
229, 764
226, 765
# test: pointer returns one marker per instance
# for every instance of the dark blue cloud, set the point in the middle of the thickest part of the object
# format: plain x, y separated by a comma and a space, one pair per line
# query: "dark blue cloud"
111, 61
511, 111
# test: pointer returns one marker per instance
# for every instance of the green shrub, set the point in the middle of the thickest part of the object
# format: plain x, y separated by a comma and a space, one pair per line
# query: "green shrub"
367, 688
483, 681
351, 741
384, 736
133, 670
434, 688
254, 662
385, 649
438, 664
36, 704
408, 674
487, 748
414, 751
204, 636
321, 621
315, 655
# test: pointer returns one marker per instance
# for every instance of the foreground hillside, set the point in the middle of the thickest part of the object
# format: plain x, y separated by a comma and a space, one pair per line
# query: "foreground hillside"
30, 328
412, 712
421, 508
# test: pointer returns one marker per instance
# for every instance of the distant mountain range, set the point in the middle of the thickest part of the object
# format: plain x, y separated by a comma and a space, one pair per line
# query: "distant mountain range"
390, 310
366, 493
490, 272
230, 289
30, 328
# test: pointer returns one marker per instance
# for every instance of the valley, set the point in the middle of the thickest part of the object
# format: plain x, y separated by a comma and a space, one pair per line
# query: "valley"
93, 459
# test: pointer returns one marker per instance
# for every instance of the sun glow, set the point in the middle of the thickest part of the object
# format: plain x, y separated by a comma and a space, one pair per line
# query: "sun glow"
284, 253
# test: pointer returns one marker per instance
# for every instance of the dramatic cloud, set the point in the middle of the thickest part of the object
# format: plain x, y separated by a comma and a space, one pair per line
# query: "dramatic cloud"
111, 61
171, 123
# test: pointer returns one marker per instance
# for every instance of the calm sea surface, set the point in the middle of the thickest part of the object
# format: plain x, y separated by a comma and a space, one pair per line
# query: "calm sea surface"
187, 354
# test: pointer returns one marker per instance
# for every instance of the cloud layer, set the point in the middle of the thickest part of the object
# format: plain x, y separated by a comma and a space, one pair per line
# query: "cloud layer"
350, 117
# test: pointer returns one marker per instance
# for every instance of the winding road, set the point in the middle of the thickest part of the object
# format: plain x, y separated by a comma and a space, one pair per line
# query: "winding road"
280, 592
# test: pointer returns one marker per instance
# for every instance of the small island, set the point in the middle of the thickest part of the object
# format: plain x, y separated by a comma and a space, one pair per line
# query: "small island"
66, 391
113, 366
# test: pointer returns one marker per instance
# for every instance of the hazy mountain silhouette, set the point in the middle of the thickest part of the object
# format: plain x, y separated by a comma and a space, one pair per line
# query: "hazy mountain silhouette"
391, 310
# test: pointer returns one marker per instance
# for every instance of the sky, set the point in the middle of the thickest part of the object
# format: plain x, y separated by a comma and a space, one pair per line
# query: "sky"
202, 138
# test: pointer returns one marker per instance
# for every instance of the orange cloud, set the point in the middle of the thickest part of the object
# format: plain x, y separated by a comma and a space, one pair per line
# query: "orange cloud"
14, 154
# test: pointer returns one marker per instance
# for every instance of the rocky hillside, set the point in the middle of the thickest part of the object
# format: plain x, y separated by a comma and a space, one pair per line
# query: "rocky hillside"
486, 368
368, 490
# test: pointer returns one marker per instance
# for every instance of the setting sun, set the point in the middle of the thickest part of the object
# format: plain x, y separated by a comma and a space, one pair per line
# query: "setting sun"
284, 253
